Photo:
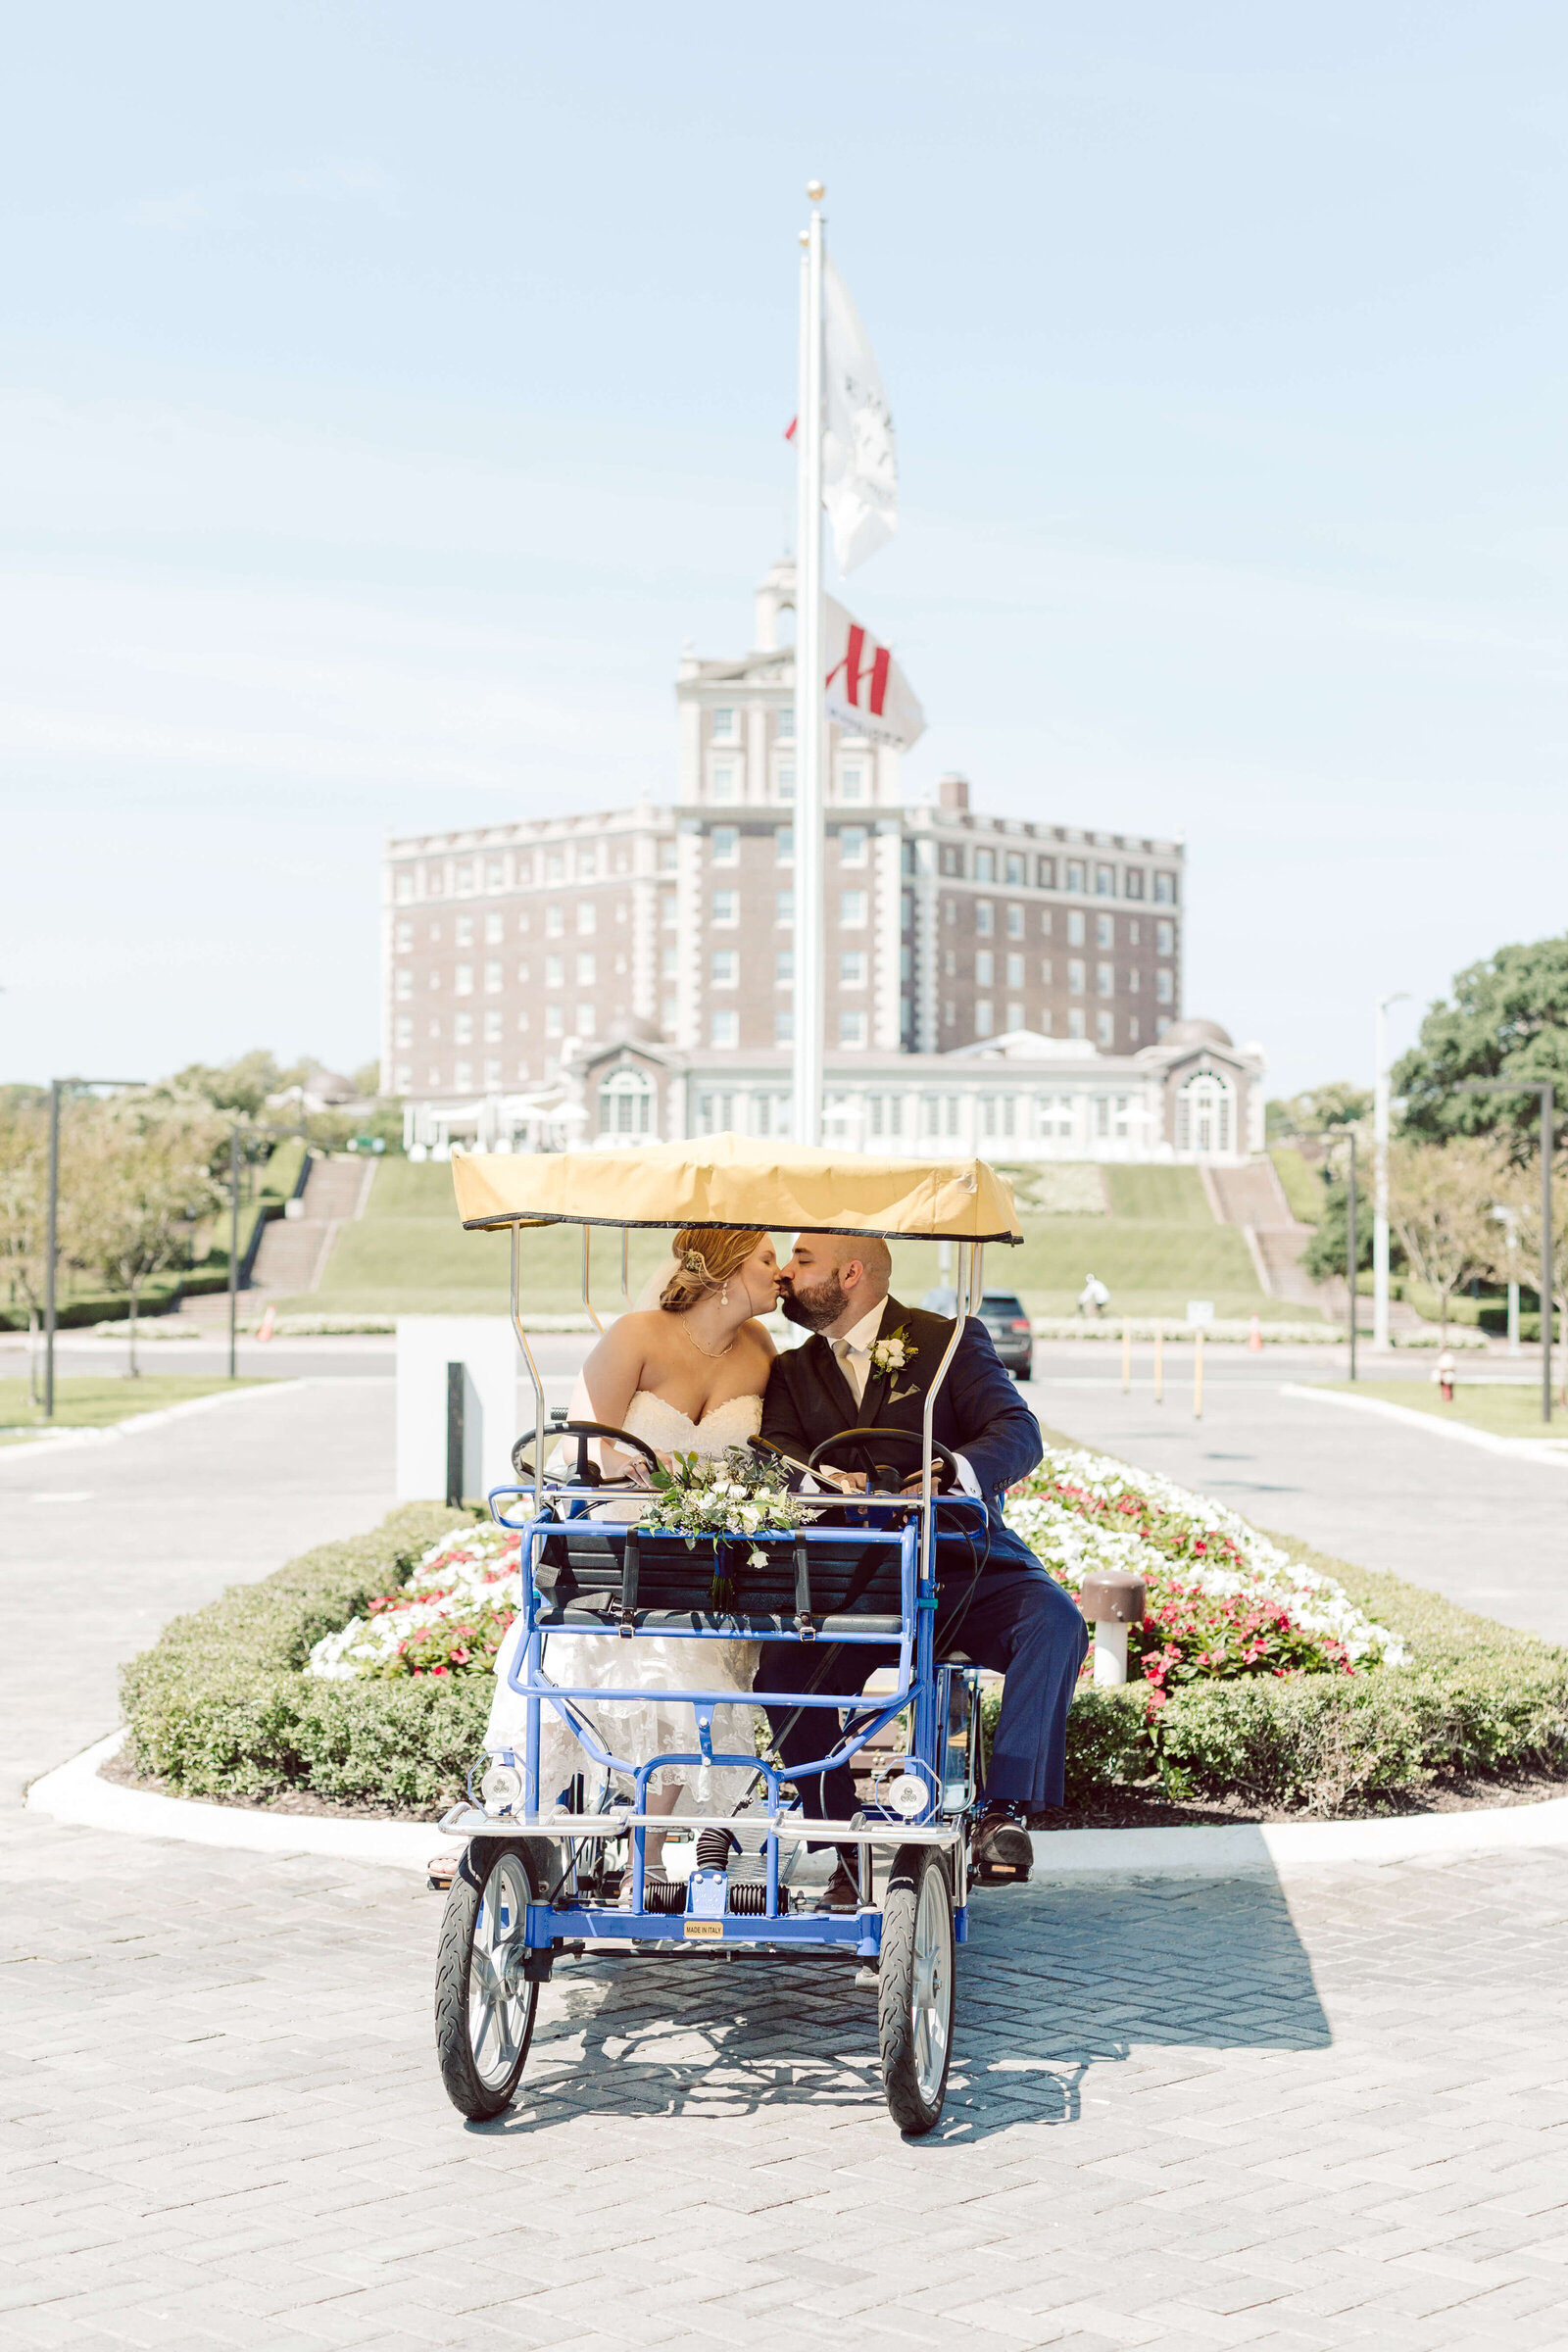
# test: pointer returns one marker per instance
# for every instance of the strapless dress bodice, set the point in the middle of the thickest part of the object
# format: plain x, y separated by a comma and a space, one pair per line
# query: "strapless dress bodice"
669, 1430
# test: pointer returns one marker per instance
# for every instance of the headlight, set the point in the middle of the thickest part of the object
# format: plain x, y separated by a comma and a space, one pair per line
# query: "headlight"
501, 1788
908, 1794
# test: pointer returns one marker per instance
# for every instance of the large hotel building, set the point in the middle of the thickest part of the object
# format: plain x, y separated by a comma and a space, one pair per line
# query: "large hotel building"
630, 971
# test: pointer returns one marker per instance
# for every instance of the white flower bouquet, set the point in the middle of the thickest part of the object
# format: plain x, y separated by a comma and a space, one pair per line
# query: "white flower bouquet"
734, 1495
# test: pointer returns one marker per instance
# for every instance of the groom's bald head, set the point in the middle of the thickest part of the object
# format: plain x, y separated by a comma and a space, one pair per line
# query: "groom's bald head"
835, 1279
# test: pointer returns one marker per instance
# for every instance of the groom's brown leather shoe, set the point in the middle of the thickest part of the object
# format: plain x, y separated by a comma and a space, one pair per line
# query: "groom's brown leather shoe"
1003, 1851
841, 1893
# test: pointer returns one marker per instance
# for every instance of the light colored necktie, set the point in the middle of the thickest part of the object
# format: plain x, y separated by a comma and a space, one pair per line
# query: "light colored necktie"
849, 1367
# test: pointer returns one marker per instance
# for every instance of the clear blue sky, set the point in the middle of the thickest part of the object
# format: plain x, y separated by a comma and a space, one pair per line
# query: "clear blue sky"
388, 391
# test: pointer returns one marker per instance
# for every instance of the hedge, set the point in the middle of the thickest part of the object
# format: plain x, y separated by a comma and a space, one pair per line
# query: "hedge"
220, 1708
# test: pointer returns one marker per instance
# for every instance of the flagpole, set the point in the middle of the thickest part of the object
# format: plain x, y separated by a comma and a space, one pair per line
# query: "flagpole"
810, 724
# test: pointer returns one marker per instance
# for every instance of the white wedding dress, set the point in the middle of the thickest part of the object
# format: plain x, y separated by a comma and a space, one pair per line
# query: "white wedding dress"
639, 1727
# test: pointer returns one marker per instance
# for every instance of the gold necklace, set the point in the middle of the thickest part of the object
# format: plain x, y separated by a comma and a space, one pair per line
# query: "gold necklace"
713, 1355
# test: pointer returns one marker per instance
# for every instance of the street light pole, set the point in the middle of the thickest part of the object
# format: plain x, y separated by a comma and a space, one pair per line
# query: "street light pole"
1544, 1089
1380, 1203
234, 1239
57, 1086
1350, 1247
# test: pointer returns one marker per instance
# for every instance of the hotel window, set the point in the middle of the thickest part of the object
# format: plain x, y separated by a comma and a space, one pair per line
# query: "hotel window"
465, 885
1164, 987
463, 1075
586, 972
1075, 1024
1104, 882
784, 968
1015, 971
587, 865
1075, 874
435, 979
851, 846
907, 909
435, 934
1054, 1116
1046, 874
784, 845
462, 982
1075, 930
626, 1104
1101, 1114
666, 856
950, 910
1016, 1019
786, 783
1134, 979
1164, 890
494, 878
851, 783
404, 981
587, 918
852, 969
492, 1073
492, 1028
725, 968
1165, 939
436, 1029
405, 887
495, 930
714, 1113
949, 964
555, 865
522, 1022
726, 906
1133, 882
1017, 876
1132, 1030
463, 931
985, 866
523, 867
435, 884
784, 906
622, 910
724, 781
404, 1077
404, 937
667, 1009
1105, 1025
724, 1030
1104, 980
982, 1017
851, 910
985, 918
887, 1113
1045, 972
950, 1014
724, 727
1075, 978
984, 967
522, 975
1104, 930
585, 1020
434, 1078
404, 1031
1045, 922
522, 924
492, 979
668, 962
851, 1031
784, 1025
726, 842
953, 863
1134, 931
666, 910
1016, 922
554, 973
555, 921
1204, 1114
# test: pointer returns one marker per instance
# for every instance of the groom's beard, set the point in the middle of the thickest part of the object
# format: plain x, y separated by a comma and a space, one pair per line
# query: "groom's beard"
817, 1308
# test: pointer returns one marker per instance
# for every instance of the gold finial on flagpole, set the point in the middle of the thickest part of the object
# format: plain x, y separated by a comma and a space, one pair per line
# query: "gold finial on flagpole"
816, 191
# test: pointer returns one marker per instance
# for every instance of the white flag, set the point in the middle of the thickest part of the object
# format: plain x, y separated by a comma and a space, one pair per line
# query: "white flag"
859, 466
866, 691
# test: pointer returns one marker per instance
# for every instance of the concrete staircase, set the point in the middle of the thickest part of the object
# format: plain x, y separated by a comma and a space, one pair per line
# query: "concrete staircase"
294, 1250
1253, 1199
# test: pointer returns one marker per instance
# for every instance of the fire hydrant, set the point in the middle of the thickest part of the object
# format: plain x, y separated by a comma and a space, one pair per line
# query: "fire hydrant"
1112, 1599
1443, 1375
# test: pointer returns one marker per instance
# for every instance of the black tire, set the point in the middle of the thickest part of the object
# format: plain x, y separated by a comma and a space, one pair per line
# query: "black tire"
915, 1988
484, 2018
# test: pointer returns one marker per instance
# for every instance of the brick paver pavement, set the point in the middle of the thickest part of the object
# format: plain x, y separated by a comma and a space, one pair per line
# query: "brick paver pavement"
1194, 2115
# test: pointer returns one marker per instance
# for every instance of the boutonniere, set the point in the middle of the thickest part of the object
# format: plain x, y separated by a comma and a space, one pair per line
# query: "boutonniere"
894, 1355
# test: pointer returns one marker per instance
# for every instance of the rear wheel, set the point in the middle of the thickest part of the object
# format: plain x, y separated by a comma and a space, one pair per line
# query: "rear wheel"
484, 2009
914, 2004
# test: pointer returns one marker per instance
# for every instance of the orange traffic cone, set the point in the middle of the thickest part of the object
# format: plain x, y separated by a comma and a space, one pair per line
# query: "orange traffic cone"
266, 1330
1255, 1338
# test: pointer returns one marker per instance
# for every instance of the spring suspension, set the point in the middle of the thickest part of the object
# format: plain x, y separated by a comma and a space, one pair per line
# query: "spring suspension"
663, 1894
714, 1847
748, 1898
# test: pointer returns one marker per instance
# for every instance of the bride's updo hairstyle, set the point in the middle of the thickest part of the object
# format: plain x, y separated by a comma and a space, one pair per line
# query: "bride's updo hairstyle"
707, 1257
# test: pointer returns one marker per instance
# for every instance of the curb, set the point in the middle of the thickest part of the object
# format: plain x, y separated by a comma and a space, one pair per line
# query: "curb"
74, 1793
1518, 1449
67, 1439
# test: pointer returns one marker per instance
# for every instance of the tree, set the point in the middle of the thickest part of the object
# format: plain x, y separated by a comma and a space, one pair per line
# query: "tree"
243, 1085
1520, 1195
1336, 1104
1439, 1201
1509, 1019
145, 1170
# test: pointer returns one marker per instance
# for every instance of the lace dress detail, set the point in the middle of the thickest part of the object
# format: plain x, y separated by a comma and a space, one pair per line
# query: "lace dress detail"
637, 1728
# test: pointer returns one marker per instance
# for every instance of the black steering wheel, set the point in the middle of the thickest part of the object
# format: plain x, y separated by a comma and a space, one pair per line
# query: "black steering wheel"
588, 1473
858, 1441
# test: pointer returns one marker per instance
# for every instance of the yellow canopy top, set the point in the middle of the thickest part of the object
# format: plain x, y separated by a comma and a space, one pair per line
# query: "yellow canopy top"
735, 1180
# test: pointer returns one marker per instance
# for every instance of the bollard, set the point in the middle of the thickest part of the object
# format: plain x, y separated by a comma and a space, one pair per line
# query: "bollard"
1198, 1377
1159, 1361
1112, 1599
1255, 1338
455, 1400
1126, 1354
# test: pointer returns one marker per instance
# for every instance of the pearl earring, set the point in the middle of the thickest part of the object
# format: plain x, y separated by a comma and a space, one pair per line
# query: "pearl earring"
723, 1296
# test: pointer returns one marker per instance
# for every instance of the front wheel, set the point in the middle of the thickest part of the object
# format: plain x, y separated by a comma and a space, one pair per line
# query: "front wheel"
484, 2009
914, 2006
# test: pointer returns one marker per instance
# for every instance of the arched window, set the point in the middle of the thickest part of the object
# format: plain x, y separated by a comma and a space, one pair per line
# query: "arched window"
1204, 1117
626, 1104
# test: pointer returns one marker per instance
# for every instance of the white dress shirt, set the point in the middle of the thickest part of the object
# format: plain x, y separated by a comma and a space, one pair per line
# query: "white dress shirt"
852, 1352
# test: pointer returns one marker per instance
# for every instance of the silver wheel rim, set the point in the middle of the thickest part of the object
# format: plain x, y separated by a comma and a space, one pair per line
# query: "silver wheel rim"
497, 2008
931, 1994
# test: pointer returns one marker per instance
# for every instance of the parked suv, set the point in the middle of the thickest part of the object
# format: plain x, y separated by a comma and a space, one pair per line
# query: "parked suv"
1002, 1313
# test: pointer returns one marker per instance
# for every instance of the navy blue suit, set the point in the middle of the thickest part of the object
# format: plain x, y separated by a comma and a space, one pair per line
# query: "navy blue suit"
1011, 1617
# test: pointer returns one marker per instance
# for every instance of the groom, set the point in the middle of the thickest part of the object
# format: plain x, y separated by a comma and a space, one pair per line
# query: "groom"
1011, 1616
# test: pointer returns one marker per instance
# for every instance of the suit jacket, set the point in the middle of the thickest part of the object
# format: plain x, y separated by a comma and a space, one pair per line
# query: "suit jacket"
979, 1413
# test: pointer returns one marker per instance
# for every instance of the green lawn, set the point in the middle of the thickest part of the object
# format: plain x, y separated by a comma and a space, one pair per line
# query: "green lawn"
1505, 1410
88, 1400
1161, 1196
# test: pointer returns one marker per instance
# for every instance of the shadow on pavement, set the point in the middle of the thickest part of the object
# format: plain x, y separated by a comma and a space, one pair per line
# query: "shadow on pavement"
1054, 1984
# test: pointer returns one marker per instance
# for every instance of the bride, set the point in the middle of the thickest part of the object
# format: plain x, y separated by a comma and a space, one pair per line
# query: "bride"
686, 1377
